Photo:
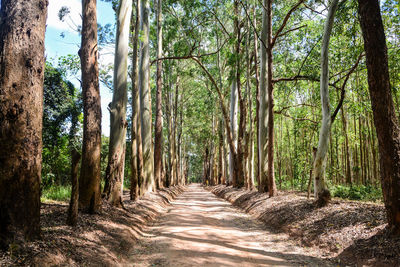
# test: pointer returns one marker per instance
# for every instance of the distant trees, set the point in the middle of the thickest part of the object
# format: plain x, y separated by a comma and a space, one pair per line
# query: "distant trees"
22, 66
385, 119
89, 181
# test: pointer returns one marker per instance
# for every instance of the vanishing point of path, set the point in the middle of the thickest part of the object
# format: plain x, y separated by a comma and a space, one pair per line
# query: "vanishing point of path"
203, 230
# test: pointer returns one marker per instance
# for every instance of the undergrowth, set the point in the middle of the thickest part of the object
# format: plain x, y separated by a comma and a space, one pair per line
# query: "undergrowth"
56, 192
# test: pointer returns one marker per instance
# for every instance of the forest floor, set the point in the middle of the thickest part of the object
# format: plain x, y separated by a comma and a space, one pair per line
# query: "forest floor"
352, 233
105, 239
203, 230
191, 226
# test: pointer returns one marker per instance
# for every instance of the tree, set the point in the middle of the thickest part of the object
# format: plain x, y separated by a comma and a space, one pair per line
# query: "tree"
22, 33
158, 124
321, 191
145, 105
118, 124
136, 148
385, 120
263, 116
89, 182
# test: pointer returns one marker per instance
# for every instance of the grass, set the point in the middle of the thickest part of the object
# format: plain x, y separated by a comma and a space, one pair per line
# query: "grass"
56, 193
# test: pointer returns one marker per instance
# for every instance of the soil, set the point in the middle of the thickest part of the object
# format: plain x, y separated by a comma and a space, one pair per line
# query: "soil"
203, 230
104, 239
353, 233
193, 227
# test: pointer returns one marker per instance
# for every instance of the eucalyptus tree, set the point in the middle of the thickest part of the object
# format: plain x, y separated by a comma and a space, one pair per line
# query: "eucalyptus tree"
385, 120
321, 191
89, 181
22, 65
136, 140
145, 98
158, 123
117, 108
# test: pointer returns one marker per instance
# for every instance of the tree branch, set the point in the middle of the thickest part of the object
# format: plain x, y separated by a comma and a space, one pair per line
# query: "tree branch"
284, 22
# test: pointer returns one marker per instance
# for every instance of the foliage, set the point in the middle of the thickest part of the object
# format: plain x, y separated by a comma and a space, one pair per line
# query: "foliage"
57, 193
358, 192
61, 123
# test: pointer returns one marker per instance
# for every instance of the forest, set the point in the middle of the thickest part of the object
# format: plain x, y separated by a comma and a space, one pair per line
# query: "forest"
288, 110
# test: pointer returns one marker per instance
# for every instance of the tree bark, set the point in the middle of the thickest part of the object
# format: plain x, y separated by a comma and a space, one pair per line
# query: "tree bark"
89, 182
135, 135
22, 33
257, 115
113, 189
159, 122
72, 218
321, 191
145, 98
270, 147
263, 116
385, 119
234, 129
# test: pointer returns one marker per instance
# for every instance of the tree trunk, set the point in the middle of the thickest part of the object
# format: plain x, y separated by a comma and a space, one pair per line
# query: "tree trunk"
263, 115
135, 139
241, 155
145, 98
113, 189
159, 122
22, 33
270, 148
321, 191
234, 129
257, 117
89, 182
72, 218
385, 119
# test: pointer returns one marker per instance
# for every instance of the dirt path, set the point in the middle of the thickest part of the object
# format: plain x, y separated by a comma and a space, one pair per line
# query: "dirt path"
203, 230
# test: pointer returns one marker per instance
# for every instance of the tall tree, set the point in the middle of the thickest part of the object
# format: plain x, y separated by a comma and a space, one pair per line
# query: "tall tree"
89, 182
159, 123
263, 115
321, 191
136, 159
22, 32
145, 104
118, 124
385, 120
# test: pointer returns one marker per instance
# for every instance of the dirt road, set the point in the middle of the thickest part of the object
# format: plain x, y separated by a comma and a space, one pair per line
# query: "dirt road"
203, 230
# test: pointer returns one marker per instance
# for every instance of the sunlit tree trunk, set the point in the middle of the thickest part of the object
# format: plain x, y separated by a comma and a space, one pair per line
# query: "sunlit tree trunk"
385, 119
116, 151
89, 182
234, 129
145, 100
159, 123
320, 189
22, 32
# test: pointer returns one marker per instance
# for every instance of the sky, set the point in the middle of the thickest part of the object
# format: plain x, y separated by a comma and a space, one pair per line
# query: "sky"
58, 46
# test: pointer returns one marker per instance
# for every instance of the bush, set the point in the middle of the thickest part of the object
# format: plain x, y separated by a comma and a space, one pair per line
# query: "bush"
358, 192
56, 192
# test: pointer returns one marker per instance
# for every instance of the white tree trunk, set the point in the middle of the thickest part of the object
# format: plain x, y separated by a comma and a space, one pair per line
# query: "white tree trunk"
320, 158
117, 108
234, 127
263, 116
145, 98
